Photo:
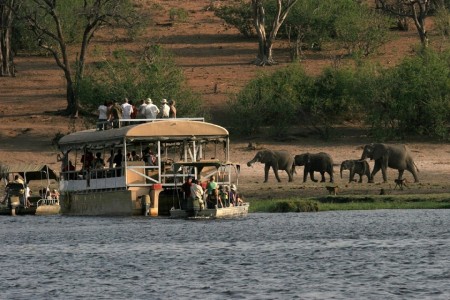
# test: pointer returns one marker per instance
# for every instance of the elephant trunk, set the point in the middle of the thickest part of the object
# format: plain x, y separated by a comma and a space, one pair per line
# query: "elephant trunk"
250, 163
342, 168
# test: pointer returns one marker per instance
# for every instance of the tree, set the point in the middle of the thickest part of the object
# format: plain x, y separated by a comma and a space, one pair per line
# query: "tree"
417, 10
57, 23
7, 8
266, 40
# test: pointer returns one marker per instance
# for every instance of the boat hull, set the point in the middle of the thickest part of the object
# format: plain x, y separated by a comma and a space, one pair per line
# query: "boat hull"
215, 213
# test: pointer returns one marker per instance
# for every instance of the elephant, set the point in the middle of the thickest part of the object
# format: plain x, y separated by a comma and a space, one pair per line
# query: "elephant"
318, 162
278, 160
360, 167
390, 155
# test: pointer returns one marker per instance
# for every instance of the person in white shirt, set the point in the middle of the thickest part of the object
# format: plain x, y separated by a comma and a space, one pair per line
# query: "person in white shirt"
151, 110
165, 109
127, 109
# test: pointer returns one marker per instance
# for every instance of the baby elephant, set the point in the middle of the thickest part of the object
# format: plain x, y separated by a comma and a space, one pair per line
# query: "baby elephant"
360, 167
318, 162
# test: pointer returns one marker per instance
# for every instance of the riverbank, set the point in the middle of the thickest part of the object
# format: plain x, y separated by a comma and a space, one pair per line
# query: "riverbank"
332, 203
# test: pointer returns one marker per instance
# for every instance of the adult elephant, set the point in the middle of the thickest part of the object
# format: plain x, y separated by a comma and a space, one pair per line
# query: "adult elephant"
393, 156
277, 160
315, 162
360, 167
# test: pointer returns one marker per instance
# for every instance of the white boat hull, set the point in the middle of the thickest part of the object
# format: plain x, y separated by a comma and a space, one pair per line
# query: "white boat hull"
215, 213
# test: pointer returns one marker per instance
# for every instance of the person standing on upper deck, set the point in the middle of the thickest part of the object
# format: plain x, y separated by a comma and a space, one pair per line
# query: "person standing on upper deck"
165, 109
173, 110
102, 116
127, 110
151, 110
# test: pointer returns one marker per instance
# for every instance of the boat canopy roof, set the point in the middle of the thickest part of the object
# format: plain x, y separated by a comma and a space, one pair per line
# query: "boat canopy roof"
28, 171
158, 130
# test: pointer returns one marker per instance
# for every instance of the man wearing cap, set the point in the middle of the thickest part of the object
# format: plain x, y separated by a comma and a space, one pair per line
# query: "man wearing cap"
165, 109
151, 110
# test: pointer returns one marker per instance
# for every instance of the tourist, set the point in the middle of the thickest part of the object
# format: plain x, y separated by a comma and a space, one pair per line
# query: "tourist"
212, 192
186, 188
102, 116
165, 109
127, 109
235, 197
141, 109
196, 198
151, 110
135, 156
115, 115
173, 110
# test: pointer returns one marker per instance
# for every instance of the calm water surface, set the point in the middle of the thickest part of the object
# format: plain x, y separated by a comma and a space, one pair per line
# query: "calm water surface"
384, 254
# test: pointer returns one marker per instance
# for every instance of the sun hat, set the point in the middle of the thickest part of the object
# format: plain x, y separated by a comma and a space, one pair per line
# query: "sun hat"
148, 101
233, 187
164, 101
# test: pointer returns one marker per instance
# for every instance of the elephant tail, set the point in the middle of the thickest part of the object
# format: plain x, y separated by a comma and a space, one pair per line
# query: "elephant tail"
417, 169
293, 169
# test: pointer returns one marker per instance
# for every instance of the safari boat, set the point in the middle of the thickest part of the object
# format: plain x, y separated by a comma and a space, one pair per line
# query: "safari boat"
138, 169
222, 171
17, 198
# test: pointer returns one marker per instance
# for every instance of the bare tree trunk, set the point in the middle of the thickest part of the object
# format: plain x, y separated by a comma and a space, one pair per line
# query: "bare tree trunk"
6, 55
417, 10
265, 41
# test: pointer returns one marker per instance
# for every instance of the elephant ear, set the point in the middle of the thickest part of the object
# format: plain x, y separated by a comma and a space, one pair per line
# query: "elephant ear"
378, 152
307, 158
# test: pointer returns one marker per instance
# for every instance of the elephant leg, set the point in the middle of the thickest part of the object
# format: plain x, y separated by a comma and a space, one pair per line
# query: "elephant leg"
311, 174
289, 172
375, 170
276, 174
411, 168
305, 174
331, 176
400, 174
323, 176
352, 175
384, 172
360, 178
266, 172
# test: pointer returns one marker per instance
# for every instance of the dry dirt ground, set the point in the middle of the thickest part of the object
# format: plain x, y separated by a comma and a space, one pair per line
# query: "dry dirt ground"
211, 55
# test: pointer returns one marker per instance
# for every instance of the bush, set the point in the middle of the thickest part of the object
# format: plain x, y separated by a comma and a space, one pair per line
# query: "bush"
270, 99
239, 15
412, 98
153, 74
178, 14
360, 30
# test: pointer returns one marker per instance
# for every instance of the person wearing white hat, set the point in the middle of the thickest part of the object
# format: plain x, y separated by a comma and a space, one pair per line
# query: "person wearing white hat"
151, 110
234, 197
165, 109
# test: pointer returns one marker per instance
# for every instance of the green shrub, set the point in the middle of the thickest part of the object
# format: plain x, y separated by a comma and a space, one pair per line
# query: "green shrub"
239, 15
153, 74
178, 14
412, 98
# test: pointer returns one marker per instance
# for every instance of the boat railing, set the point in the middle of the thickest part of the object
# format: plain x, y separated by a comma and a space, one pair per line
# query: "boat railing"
104, 125
47, 202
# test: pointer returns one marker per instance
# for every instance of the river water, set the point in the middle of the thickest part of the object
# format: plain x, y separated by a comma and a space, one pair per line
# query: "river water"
382, 254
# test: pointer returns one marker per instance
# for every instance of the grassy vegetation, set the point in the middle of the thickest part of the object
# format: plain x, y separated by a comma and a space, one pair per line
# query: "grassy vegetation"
422, 201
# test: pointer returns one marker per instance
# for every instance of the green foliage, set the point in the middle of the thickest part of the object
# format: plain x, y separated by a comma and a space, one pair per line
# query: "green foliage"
289, 97
239, 15
361, 30
270, 100
412, 98
154, 74
442, 21
178, 14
